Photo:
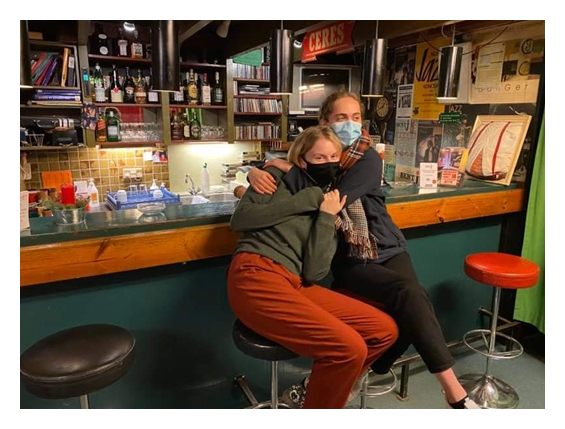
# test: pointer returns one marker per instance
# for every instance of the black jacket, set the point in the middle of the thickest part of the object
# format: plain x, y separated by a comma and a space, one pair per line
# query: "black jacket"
363, 181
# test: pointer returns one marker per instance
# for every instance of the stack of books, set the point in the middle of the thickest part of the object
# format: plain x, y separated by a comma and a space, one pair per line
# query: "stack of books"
258, 106
54, 69
249, 157
228, 172
257, 131
243, 71
251, 90
54, 96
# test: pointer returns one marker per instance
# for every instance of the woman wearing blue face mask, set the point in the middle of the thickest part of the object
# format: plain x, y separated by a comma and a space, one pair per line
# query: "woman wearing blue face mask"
372, 259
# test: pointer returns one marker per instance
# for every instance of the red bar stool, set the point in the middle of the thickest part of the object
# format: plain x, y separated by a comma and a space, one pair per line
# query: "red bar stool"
502, 271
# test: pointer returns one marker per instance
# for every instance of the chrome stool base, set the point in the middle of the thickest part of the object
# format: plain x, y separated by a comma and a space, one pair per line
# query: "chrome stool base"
489, 392
371, 389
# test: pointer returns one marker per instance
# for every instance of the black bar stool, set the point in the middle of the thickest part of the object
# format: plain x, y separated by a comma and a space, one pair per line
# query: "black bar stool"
77, 361
254, 345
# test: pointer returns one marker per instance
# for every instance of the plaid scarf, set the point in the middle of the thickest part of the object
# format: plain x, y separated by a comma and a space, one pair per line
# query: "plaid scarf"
353, 220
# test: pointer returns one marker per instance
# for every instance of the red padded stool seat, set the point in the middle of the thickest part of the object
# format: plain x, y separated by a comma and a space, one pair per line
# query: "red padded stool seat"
502, 270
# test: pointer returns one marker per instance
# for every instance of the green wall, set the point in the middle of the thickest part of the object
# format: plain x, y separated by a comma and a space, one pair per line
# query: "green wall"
182, 321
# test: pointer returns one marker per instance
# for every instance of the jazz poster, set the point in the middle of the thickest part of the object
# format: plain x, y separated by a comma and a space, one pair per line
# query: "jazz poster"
425, 105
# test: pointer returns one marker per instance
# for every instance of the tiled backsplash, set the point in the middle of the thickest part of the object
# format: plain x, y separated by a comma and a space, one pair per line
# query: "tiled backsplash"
104, 165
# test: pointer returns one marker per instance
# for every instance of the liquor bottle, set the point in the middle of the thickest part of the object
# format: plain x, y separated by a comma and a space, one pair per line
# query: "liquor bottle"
186, 82
101, 127
140, 89
101, 45
152, 96
185, 126
122, 44
192, 89
113, 127
136, 46
129, 88
98, 81
116, 90
176, 130
205, 91
195, 127
217, 92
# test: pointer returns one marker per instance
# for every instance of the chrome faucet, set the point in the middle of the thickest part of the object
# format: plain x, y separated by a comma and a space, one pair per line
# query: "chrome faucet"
193, 190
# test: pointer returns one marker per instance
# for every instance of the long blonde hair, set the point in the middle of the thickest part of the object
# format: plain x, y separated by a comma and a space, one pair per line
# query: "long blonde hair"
307, 139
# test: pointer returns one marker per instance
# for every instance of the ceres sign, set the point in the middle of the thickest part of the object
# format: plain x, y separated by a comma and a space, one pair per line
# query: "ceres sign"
332, 38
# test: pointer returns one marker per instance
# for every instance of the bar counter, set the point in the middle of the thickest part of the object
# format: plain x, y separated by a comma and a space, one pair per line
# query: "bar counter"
123, 240
165, 281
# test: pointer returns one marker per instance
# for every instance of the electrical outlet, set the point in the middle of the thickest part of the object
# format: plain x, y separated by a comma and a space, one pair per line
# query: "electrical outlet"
132, 173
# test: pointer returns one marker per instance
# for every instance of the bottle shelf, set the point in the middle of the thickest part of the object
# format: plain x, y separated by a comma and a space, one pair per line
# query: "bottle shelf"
196, 106
146, 105
128, 144
51, 106
127, 60
121, 60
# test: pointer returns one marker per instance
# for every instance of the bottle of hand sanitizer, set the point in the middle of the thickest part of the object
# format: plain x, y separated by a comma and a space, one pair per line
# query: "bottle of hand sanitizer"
205, 179
153, 187
93, 194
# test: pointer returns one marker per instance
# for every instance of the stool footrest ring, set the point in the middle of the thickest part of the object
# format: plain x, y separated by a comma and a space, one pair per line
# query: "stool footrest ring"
495, 355
371, 391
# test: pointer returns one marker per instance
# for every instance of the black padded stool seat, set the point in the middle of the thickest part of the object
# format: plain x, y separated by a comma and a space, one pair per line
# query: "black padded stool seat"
77, 361
254, 345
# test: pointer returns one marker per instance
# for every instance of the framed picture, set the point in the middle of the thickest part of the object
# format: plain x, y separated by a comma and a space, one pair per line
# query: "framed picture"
494, 147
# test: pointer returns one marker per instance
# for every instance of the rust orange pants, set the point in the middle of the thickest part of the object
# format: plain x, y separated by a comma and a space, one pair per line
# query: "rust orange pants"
343, 335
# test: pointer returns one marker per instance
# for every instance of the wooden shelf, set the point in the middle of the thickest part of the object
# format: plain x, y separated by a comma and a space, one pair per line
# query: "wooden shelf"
198, 141
125, 60
43, 148
146, 105
243, 80
121, 144
47, 43
257, 140
257, 114
59, 88
61, 106
196, 106
108, 59
263, 97
202, 65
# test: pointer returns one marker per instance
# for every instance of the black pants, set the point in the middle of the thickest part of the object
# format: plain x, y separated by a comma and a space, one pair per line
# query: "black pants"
395, 285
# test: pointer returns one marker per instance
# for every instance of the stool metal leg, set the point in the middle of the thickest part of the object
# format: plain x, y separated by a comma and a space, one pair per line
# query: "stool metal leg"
486, 390
274, 386
84, 402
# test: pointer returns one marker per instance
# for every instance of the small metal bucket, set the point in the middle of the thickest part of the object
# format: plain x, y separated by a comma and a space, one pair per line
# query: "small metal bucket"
69, 217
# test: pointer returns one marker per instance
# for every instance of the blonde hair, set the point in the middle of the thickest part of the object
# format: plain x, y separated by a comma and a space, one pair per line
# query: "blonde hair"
307, 139
328, 104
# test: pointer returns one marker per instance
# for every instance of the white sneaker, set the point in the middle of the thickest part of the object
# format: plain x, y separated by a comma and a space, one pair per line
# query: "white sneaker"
357, 386
466, 404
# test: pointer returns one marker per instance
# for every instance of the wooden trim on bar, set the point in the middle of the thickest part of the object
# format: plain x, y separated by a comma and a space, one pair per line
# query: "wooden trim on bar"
94, 257
99, 256
451, 209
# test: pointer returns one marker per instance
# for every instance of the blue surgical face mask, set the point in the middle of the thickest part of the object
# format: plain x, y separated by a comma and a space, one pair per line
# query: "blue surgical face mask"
348, 131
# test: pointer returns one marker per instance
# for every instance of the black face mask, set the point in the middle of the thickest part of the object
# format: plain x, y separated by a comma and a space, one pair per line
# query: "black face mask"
324, 174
